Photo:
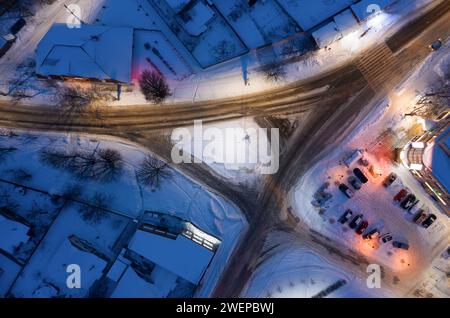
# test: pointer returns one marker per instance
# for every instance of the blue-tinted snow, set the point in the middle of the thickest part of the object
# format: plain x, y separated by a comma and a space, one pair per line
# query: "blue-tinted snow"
365, 8
90, 51
181, 256
8, 272
327, 34
441, 159
345, 21
13, 234
309, 13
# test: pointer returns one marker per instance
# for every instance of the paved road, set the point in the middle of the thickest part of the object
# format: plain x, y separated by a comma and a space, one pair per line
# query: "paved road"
331, 117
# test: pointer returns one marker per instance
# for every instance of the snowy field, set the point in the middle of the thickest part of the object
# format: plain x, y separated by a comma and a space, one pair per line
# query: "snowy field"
124, 195
384, 129
298, 272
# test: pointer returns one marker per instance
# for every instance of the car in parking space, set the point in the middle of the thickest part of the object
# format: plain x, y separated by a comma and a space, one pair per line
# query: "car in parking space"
346, 190
355, 183
346, 216
420, 217
17, 26
389, 179
361, 176
372, 234
446, 253
362, 227
436, 45
400, 195
416, 208
357, 220
401, 245
408, 201
385, 238
429, 220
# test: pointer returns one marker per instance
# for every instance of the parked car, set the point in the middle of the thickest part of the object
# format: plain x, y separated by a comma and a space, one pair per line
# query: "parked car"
372, 234
389, 179
429, 220
436, 45
420, 217
362, 227
385, 238
446, 253
356, 184
408, 201
346, 190
346, 216
399, 244
356, 221
361, 176
400, 195
16, 27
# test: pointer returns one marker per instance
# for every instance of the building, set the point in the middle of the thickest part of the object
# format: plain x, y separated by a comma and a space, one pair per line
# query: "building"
90, 52
166, 257
14, 233
428, 158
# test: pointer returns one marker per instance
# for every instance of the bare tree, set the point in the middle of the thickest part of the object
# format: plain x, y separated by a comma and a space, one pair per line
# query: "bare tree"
81, 101
101, 165
95, 211
152, 171
274, 72
154, 87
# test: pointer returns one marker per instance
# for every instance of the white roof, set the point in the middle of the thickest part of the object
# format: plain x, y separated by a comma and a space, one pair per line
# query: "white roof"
181, 256
91, 51
345, 21
200, 14
177, 5
12, 234
327, 34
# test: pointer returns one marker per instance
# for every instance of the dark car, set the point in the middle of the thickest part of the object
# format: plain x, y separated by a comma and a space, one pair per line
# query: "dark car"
420, 217
362, 227
389, 180
402, 245
400, 195
356, 221
386, 238
436, 45
429, 220
361, 176
18, 26
345, 217
346, 190
356, 184
374, 233
409, 201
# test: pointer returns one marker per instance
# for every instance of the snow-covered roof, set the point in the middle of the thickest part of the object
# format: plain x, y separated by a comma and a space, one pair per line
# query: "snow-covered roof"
91, 51
2, 42
200, 14
8, 272
12, 234
177, 5
345, 21
365, 8
181, 256
327, 34
436, 157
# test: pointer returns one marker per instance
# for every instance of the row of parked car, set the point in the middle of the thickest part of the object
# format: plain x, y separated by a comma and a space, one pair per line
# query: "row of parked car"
360, 226
357, 180
410, 203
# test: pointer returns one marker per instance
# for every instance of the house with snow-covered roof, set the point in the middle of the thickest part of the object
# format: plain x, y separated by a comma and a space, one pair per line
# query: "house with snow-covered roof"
90, 52
166, 257
14, 234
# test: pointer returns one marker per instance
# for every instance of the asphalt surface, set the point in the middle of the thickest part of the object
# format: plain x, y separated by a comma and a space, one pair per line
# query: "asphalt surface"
332, 115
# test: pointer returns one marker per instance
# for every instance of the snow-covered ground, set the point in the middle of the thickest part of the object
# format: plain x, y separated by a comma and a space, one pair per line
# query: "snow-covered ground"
188, 81
299, 272
126, 197
383, 130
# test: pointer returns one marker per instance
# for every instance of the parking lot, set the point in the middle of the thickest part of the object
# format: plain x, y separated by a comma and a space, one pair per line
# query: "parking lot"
376, 204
